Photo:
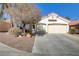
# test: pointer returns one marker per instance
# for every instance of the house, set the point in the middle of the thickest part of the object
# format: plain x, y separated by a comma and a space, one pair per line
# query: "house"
53, 23
75, 25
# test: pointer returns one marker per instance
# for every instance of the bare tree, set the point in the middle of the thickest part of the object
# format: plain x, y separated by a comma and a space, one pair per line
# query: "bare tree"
23, 13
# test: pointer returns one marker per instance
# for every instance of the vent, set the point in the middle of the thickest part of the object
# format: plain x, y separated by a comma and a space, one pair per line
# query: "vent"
52, 20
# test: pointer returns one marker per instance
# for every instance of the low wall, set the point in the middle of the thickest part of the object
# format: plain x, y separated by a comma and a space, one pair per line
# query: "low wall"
5, 26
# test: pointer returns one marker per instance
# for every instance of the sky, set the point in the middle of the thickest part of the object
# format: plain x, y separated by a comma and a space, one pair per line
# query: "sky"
70, 10
63, 9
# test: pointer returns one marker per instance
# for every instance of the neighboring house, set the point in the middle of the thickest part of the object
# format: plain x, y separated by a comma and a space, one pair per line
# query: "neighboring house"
53, 23
75, 25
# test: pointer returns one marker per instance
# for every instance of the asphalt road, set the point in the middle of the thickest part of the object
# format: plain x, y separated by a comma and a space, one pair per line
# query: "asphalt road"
56, 45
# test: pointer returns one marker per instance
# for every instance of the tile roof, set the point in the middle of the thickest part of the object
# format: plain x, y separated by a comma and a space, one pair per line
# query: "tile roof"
74, 23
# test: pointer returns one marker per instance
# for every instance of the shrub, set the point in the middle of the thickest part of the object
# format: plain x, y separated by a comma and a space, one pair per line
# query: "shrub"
1, 21
72, 31
15, 31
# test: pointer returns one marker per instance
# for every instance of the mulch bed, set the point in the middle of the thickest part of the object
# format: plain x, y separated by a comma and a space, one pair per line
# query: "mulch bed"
21, 43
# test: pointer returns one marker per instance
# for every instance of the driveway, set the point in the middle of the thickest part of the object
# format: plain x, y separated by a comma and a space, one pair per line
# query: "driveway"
56, 45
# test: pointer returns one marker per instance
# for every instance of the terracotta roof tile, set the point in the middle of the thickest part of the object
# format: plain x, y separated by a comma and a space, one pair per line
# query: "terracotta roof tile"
74, 23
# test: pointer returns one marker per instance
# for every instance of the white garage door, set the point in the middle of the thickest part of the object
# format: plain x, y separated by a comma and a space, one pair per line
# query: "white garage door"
57, 28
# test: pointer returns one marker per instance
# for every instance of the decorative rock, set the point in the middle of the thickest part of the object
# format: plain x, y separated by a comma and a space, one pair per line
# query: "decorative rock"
20, 36
28, 35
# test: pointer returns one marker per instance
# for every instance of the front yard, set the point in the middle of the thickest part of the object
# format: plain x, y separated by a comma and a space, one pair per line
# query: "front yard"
21, 43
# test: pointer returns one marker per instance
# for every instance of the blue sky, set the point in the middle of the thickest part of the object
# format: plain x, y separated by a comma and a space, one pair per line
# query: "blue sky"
63, 9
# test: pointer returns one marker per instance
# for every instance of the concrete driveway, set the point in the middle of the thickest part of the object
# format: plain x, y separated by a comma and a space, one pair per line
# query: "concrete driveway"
56, 45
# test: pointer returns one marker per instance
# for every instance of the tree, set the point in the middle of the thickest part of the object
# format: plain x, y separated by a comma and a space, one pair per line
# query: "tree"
68, 18
1, 10
22, 13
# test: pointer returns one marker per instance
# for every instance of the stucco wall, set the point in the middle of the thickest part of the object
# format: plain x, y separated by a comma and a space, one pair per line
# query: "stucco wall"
60, 25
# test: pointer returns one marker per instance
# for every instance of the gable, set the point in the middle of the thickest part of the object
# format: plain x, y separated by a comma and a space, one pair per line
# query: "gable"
54, 19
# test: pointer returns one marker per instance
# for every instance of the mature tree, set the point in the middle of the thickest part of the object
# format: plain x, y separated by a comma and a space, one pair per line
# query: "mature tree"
68, 18
23, 13
1, 10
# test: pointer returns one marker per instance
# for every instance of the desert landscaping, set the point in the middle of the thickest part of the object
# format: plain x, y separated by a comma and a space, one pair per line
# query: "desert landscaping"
24, 29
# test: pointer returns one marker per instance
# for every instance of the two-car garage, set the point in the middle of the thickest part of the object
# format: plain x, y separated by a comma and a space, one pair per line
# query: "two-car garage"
54, 23
57, 28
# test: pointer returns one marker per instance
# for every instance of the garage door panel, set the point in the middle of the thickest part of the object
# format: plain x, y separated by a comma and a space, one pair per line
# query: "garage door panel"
57, 28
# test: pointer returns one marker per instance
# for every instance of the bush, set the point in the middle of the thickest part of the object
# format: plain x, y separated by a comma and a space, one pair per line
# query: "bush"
15, 31
1, 21
72, 31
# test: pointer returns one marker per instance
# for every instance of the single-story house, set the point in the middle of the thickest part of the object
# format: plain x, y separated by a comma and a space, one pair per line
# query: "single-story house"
75, 25
53, 23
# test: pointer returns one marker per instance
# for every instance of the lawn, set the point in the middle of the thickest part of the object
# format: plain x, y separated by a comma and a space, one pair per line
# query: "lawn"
21, 43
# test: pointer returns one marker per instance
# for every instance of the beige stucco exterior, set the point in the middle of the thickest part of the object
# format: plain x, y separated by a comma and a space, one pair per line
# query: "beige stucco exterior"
56, 24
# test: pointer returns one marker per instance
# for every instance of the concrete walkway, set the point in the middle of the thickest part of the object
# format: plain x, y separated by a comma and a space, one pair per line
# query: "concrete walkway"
56, 44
